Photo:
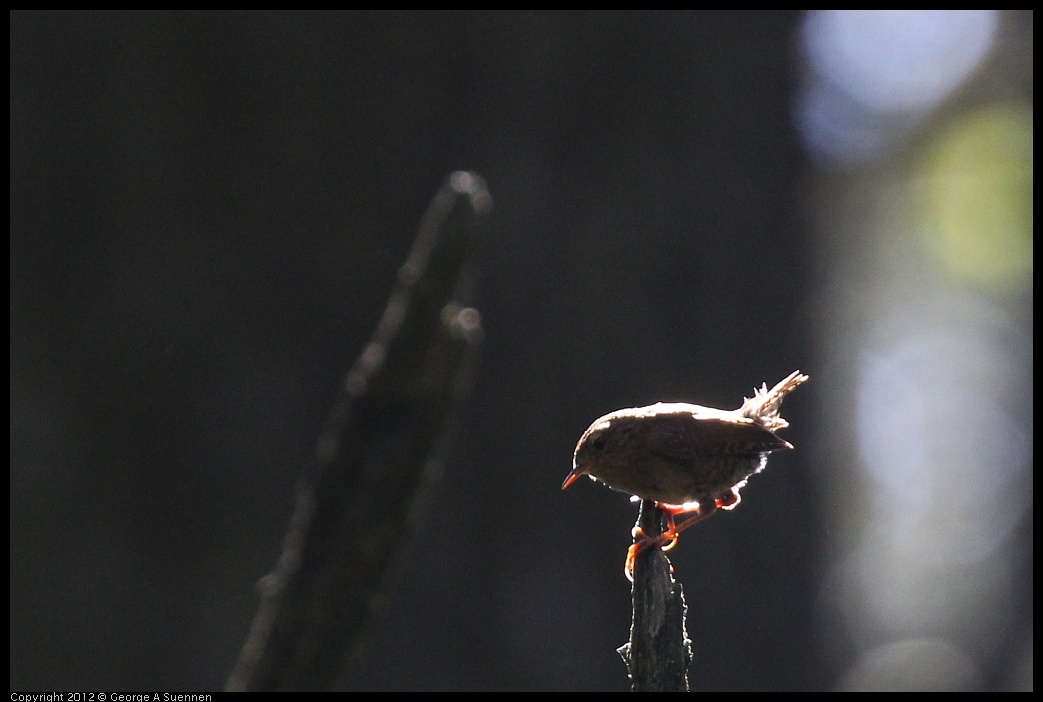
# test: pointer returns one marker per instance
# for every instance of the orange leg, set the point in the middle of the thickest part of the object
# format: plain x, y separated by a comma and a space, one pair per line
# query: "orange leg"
668, 539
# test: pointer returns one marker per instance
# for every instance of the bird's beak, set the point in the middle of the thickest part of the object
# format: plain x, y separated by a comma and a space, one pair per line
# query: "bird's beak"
572, 476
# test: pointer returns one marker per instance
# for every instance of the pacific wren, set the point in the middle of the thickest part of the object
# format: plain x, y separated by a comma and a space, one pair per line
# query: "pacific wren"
686, 458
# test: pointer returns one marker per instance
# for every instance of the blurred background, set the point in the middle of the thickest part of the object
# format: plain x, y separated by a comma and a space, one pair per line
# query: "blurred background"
207, 214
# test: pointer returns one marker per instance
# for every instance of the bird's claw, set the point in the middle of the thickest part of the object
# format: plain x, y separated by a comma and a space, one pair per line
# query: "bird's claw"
665, 541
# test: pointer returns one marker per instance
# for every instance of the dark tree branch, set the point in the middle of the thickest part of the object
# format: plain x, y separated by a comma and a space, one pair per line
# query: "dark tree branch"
659, 651
370, 461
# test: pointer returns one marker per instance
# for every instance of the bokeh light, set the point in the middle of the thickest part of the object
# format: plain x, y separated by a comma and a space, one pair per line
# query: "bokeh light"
926, 212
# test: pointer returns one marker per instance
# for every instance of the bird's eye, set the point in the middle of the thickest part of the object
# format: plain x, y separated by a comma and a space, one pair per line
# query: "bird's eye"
598, 441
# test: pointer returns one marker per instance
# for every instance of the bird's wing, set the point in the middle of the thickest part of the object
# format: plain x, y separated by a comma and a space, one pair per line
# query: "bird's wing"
684, 437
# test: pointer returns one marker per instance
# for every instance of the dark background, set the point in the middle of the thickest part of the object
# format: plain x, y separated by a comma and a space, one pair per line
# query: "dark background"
207, 213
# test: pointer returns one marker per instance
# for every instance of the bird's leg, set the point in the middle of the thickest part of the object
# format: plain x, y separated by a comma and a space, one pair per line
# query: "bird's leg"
668, 539
674, 529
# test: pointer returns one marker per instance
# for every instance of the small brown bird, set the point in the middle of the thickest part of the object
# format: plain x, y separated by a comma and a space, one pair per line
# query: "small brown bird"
686, 458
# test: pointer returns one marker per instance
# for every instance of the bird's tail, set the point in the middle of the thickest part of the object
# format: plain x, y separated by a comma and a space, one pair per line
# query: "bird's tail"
763, 407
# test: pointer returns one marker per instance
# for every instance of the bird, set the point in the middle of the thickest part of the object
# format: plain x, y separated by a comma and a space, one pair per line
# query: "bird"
687, 458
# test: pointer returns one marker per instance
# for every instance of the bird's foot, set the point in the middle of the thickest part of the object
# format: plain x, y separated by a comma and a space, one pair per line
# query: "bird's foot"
665, 541
668, 539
